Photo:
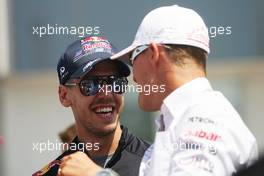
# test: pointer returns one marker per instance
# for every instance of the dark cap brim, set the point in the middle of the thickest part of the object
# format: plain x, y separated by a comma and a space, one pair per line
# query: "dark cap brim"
123, 68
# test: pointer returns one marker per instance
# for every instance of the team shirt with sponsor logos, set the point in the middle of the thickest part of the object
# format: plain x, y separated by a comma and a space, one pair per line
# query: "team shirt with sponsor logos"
200, 133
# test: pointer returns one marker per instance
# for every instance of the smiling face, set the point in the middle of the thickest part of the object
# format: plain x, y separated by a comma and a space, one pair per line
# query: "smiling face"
97, 114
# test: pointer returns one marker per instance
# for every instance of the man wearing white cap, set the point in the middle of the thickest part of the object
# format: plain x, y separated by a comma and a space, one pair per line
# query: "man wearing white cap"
200, 133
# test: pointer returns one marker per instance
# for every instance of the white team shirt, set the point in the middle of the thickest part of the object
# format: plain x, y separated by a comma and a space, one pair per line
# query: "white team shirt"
200, 134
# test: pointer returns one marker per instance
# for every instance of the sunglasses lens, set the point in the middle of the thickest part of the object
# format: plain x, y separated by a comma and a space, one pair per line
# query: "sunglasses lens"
119, 85
89, 87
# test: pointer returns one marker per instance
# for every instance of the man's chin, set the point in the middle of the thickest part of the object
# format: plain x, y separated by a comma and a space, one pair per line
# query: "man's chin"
106, 130
147, 106
149, 103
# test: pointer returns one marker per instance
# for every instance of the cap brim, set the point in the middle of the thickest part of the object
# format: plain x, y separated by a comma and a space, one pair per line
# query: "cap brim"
124, 54
123, 69
84, 69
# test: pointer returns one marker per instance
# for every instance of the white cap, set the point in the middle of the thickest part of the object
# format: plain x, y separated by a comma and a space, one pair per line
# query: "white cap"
169, 25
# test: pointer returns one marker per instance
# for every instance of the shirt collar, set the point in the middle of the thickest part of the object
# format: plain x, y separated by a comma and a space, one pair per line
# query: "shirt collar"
175, 104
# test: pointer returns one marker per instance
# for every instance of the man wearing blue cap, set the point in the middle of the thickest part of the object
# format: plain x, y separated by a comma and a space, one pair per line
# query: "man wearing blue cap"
87, 79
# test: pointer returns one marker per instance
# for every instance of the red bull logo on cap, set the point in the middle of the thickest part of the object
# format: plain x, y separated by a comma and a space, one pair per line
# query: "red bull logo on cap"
93, 39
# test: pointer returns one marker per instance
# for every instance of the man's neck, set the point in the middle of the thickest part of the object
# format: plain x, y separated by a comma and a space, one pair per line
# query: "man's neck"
101, 145
173, 79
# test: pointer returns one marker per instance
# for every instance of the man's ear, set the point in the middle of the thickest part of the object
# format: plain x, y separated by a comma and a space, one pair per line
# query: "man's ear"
64, 96
155, 54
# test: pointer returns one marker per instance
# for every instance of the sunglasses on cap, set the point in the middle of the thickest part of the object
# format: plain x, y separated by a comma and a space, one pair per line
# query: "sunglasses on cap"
93, 84
140, 50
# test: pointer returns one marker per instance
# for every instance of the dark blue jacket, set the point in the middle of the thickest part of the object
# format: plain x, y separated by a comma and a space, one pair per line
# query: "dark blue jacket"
125, 161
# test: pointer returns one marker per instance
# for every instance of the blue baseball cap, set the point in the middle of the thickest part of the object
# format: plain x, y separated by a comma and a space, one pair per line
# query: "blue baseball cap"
82, 55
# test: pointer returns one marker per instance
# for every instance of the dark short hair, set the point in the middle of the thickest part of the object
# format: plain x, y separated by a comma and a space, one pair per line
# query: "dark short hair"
178, 54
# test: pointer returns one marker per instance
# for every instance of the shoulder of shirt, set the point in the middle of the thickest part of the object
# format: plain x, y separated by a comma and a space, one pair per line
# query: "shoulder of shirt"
213, 102
51, 169
134, 144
